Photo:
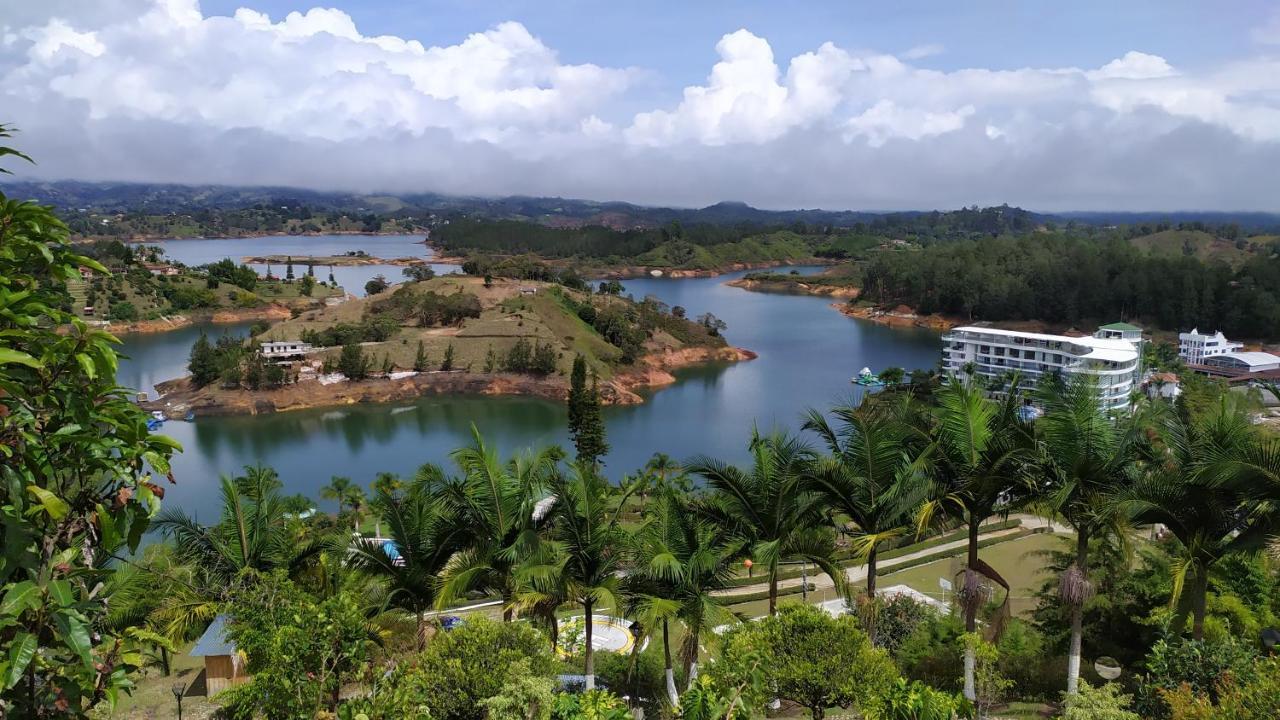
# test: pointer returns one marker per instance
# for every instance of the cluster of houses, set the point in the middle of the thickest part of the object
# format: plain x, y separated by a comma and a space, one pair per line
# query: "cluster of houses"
1113, 355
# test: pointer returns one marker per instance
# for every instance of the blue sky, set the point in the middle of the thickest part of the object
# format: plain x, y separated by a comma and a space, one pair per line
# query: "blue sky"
1125, 105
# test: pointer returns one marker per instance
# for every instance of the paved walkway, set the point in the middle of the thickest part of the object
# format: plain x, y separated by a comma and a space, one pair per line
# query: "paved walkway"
858, 573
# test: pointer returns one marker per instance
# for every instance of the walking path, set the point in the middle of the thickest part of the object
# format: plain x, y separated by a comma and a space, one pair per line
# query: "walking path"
858, 573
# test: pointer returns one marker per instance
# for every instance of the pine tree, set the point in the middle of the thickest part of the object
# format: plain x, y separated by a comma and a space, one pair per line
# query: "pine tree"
203, 364
447, 363
311, 270
420, 362
288, 269
586, 425
490, 360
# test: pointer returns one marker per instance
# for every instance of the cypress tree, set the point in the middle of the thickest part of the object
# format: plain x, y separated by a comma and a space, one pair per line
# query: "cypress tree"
447, 363
420, 362
288, 269
586, 425
203, 364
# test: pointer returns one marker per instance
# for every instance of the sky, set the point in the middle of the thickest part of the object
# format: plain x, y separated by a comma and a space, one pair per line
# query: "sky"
912, 104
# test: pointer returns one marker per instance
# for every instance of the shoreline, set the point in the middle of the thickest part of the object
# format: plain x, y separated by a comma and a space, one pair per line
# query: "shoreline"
635, 272
332, 261
899, 317
272, 311
782, 287
654, 371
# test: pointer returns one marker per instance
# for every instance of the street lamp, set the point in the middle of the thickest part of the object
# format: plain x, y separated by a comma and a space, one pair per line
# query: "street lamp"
179, 689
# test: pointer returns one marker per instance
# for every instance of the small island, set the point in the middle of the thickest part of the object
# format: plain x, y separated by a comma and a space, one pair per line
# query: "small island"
453, 334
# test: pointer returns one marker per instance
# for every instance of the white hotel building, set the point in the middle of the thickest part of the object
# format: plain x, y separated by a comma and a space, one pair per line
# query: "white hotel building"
1114, 362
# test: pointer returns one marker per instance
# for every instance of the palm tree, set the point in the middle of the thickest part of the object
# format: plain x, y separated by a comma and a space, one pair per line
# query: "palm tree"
252, 534
390, 484
498, 505
424, 535
1206, 478
356, 500
584, 553
874, 476
1086, 458
679, 560
769, 509
977, 460
667, 471
337, 489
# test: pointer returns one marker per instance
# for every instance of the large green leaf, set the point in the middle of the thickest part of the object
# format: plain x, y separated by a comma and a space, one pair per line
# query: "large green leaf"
20, 597
54, 505
75, 634
21, 651
9, 356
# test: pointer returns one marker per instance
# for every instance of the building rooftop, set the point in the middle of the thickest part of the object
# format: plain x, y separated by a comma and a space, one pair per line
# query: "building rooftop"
1252, 359
1113, 349
214, 641
1121, 327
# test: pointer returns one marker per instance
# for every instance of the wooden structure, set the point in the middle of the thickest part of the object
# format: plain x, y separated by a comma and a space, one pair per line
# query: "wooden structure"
223, 666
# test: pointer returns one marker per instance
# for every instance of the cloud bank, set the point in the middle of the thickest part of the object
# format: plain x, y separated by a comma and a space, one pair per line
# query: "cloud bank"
154, 90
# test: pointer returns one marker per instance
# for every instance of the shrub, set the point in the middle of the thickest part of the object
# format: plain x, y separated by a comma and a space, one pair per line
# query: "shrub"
1257, 698
1199, 664
916, 701
123, 311
1101, 703
463, 667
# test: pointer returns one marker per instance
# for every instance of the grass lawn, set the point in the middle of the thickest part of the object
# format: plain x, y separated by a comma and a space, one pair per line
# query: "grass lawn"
152, 699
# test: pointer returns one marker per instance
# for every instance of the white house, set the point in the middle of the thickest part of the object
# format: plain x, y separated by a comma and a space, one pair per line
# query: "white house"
992, 352
1195, 347
1164, 386
284, 349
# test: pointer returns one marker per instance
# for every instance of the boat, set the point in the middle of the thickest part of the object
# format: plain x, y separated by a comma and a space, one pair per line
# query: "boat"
154, 424
867, 379
190, 416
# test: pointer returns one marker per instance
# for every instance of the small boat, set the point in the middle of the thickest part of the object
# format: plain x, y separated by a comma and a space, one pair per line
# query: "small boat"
158, 415
190, 416
867, 379
154, 424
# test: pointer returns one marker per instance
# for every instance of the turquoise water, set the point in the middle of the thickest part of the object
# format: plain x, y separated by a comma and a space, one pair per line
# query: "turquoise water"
807, 354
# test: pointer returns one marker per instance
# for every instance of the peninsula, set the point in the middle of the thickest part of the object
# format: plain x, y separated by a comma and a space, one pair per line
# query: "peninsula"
445, 335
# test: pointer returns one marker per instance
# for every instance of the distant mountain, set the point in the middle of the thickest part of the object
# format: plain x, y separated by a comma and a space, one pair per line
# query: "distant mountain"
152, 198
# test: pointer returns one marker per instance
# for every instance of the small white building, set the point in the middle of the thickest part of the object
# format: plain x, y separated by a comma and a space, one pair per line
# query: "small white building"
1195, 347
1163, 386
1244, 362
284, 349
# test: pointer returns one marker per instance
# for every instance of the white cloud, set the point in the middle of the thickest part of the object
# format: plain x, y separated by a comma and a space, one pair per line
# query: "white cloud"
156, 90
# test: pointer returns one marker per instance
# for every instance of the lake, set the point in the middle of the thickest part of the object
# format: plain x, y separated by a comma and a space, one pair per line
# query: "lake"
808, 352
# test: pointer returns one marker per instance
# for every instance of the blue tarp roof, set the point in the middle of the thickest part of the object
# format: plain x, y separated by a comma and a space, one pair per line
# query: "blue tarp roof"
214, 640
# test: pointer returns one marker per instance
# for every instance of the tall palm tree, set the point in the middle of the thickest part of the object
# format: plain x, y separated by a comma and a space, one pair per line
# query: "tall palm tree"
1206, 479
497, 503
977, 460
337, 489
874, 476
355, 499
252, 533
667, 471
425, 535
583, 556
769, 509
388, 483
1086, 458
679, 560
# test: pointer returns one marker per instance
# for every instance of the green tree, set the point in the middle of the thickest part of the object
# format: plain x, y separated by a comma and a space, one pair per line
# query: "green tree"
1205, 478
301, 650
447, 363
525, 696
203, 364
377, 285
679, 560
978, 461
769, 508
420, 363
252, 533
874, 475
586, 425
497, 502
123, 311
352, 362
424, 535
288, 269
815, 660
1087, 458
337, 489
585, 547
465, 667
308, 285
